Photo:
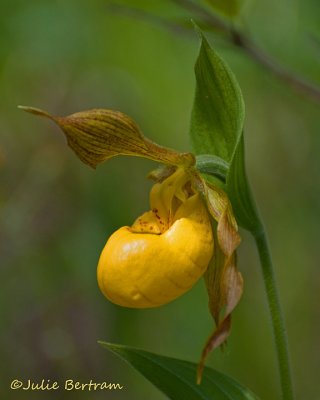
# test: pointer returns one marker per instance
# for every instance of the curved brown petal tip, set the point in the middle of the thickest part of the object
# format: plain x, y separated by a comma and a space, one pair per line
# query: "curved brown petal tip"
216, 339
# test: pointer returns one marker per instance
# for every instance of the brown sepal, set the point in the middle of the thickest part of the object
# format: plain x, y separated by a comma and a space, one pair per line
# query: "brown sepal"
99, 134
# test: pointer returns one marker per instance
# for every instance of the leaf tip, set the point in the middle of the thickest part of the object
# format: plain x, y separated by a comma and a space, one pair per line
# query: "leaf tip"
110, 346
103, 343
196, 27
198, 30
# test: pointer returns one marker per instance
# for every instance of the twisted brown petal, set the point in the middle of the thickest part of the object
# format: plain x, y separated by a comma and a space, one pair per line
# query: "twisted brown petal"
223, 280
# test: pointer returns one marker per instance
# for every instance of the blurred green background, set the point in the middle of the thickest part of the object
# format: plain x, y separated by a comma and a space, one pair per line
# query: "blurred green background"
56, 213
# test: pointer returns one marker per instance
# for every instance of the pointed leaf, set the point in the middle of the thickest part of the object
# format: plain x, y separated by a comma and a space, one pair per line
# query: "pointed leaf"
217, 133
176, 378
218, 110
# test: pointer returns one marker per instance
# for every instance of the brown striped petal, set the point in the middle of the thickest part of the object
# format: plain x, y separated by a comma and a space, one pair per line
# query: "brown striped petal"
99, 134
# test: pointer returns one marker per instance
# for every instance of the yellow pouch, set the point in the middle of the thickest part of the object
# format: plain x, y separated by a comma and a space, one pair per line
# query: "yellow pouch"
164, 253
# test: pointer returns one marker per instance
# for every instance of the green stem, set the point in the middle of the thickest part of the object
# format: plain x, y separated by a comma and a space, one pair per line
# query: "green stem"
277, 320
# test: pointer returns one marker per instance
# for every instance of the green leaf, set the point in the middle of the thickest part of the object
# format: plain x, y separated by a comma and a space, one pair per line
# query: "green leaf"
240, 193
177, 378
230, 8
217, 133
218, 111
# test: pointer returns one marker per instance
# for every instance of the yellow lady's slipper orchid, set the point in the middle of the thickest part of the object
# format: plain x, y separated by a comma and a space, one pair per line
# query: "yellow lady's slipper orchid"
165, 251
168, 248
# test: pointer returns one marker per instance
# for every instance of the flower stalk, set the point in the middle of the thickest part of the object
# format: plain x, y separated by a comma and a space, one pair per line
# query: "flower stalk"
276, 314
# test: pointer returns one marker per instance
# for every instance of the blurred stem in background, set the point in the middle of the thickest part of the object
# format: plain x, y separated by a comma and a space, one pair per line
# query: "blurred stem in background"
232, 35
